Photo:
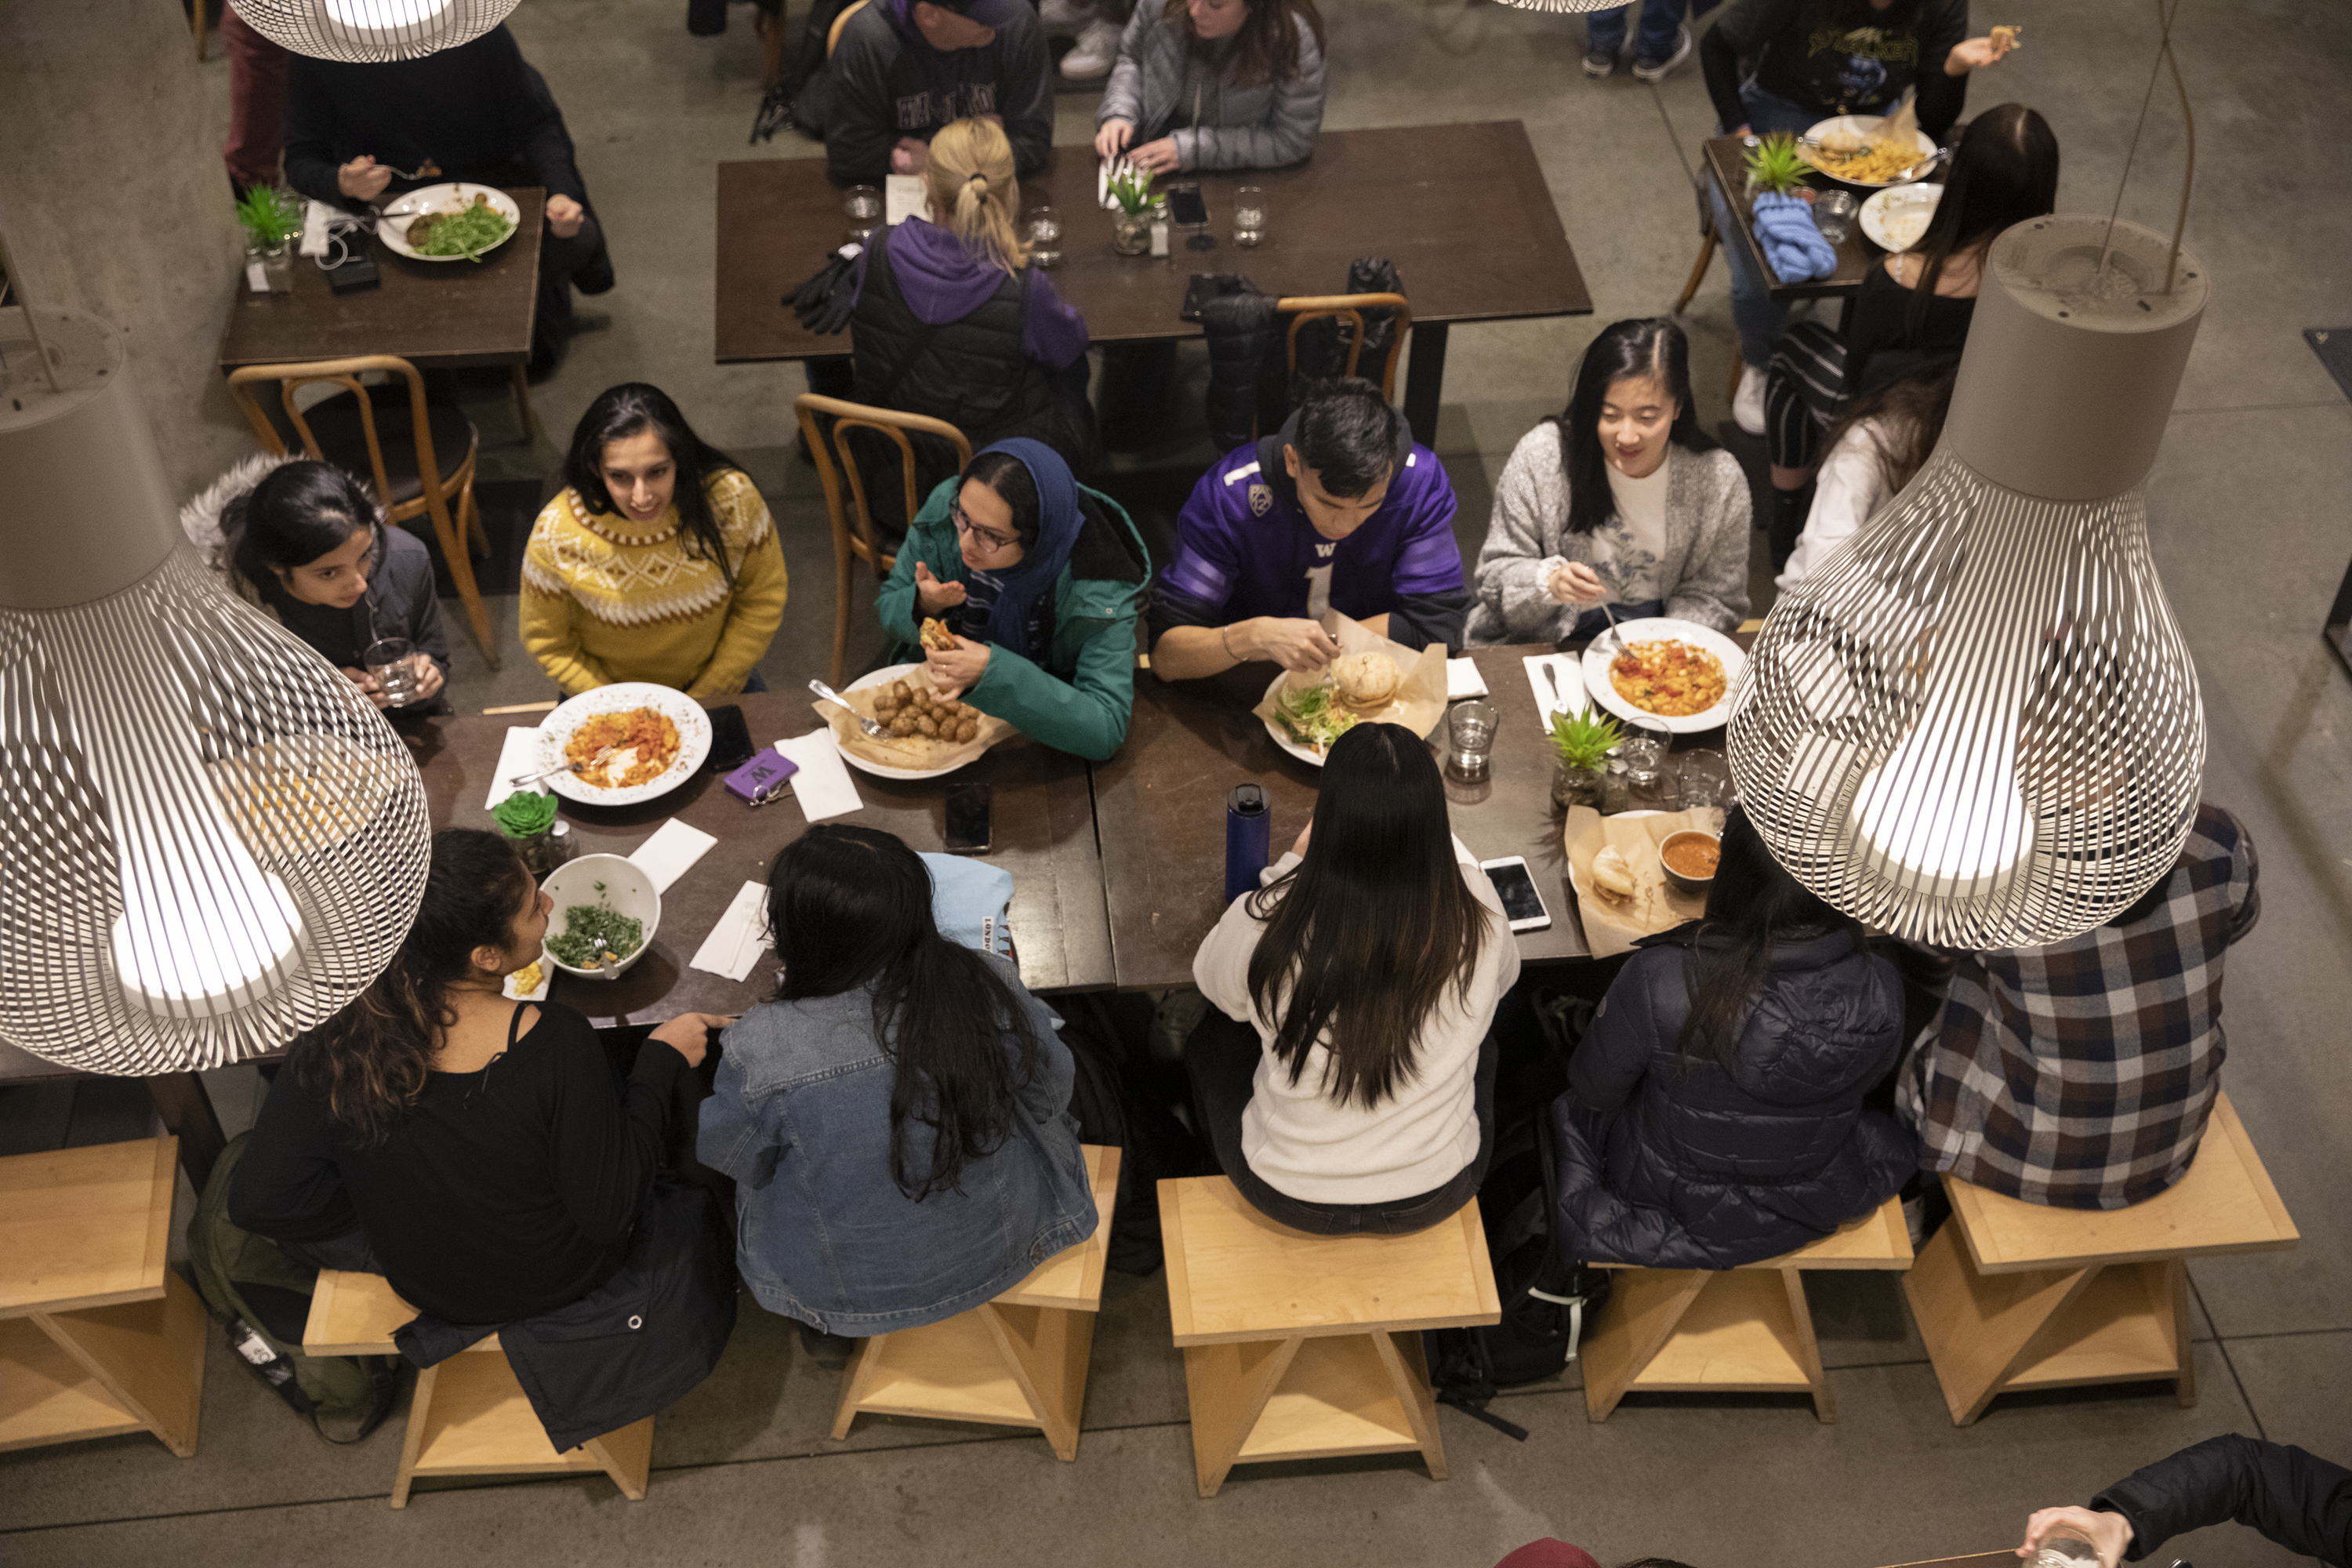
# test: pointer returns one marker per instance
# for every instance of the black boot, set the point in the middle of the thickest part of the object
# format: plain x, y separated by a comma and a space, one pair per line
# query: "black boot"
1790, 510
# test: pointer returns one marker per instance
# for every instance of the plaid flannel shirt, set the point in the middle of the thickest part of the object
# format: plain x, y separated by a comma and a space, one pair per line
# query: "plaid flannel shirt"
2080, 1074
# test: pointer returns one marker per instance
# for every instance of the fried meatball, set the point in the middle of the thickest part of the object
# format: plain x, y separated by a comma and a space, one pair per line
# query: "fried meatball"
885, 705
928, 726
902, 724
967, 730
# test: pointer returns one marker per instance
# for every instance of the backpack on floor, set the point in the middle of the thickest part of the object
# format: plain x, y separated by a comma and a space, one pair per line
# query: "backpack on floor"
264, 1298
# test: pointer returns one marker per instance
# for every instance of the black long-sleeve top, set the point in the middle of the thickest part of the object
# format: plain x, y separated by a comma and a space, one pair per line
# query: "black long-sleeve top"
889, 83
476, 110
2299, 1500
1861, 71
507, 1193
1880, 331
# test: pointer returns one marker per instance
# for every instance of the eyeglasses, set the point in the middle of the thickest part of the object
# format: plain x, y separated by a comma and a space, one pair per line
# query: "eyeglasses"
988, 540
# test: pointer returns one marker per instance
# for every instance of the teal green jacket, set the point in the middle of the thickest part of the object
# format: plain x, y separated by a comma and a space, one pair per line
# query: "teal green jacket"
1079, 700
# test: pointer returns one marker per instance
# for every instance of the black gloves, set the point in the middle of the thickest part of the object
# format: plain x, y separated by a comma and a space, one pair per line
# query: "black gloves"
823, 302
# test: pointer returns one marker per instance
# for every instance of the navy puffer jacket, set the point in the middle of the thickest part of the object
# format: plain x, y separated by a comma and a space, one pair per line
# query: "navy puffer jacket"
1671, 1163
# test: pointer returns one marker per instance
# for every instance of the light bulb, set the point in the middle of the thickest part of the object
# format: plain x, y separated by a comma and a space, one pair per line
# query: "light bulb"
372, 31
384, 14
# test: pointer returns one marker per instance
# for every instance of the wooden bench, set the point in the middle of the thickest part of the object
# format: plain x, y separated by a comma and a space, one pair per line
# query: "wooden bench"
1300, 1346
1738, 1331
96, 1334
470, 1417
2012, 1295
1019, 1360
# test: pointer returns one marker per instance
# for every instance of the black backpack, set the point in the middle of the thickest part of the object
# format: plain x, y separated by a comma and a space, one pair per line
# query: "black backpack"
1547, 1299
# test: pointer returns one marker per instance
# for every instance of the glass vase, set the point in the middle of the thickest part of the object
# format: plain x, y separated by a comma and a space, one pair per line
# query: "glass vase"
1575, 786
1130, 233
269, 268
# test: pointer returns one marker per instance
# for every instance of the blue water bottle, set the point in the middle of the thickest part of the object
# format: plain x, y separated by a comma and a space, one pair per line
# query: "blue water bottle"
1248, 823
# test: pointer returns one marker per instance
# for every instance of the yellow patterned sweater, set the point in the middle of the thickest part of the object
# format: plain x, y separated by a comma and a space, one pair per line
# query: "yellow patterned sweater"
605, 599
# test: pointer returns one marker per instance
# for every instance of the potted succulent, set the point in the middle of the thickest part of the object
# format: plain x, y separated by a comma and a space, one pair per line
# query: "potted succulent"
1583, 742
1131, 226
1776, 166
271, 218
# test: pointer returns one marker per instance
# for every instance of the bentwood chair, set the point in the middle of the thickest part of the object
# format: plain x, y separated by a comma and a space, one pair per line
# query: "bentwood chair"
420, 455
1350, 308
833, 41
855, 537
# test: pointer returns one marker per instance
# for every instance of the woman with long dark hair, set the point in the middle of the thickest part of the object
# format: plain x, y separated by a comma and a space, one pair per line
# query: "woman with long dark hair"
1620, 501
658, 562
1878, 442
306, 541
1345, 1071
897, 1120
1714, 1112
1214, 84
1915, 306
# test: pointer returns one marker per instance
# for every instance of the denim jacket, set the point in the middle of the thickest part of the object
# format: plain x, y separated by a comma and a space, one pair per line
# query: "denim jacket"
801, 1120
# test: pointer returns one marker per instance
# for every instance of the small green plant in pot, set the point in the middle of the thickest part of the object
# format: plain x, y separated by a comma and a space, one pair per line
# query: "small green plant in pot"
1583, 742
1776, 165
271, 218
1131, 226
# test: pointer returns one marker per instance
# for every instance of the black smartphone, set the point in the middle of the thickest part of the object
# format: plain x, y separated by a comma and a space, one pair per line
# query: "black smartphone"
968, 813
1521, 901
1187, 206
731, 741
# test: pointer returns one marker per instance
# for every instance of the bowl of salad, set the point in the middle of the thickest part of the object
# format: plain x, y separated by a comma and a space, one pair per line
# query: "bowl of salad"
604, 905
449, 222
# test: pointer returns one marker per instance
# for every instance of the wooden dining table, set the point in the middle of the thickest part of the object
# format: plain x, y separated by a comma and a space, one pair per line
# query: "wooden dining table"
1463, 211
1726, 166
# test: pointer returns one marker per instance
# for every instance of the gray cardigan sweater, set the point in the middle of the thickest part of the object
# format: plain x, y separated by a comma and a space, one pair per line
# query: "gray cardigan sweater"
1233, 127
1703, 568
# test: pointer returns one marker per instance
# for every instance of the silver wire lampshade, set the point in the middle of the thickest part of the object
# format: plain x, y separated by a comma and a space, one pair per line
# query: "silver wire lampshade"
209, 840
1978, 724
372, 31
1564, 7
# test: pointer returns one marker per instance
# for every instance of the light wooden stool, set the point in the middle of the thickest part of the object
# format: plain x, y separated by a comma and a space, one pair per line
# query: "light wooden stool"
1736, 1330
470, 1417
2056, 1298
97, 1335
1017, 1361
1300, 1347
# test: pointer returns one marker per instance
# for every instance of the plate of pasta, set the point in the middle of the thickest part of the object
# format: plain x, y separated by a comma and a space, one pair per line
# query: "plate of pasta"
1850, 150
1675, 674
623, 743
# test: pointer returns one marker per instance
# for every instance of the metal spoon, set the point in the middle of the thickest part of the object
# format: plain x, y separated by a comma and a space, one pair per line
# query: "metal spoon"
830, 695
606, 961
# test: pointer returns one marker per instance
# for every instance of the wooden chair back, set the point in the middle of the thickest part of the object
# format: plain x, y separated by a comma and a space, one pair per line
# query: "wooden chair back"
833, 34
1350, 308
344, 374
846, 505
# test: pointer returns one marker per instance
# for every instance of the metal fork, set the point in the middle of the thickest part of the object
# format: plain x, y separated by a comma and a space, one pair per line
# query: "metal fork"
1612, 634
830, 695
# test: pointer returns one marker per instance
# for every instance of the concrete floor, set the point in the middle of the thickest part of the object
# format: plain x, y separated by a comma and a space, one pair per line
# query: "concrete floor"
2247, 509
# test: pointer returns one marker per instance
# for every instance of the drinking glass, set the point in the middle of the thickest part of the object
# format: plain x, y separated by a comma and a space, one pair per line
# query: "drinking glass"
389, 661
1249, 215
1643, 748
1707, 779
862, 205
1042, 231
1470, 727
1833, 214
1668, 785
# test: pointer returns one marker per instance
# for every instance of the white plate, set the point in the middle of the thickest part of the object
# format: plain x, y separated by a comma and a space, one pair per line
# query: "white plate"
1662, 629
884, 677
393, 226
1900, 204
1304, 753
547, 967
1864, 126
555, 732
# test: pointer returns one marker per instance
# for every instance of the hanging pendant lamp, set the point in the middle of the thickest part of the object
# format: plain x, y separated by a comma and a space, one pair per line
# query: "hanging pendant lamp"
209, 840
371, 32
1978, 725
1564, 7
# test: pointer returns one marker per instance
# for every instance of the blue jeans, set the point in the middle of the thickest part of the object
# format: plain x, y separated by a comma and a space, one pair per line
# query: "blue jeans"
1604, 31
1759, 317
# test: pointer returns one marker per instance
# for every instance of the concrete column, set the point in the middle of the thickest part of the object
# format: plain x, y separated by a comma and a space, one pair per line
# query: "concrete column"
114, 200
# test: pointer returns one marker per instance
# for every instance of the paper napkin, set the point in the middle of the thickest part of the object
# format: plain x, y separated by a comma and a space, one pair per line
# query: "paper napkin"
823, 785
670, 853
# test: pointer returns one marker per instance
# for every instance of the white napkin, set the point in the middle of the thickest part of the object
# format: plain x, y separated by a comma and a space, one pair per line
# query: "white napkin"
1569, 670
316, 214
823, 785
518, 753
670, 853
1463, 679
904, 196
734, 945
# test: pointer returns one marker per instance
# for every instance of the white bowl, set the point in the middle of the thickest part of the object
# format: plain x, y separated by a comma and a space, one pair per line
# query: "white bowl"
1896, 218
625, 889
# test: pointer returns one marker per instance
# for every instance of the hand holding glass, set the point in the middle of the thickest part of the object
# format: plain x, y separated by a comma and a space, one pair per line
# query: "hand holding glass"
391, 663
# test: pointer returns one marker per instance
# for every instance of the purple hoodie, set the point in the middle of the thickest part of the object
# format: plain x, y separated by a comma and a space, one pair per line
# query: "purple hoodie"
943, 281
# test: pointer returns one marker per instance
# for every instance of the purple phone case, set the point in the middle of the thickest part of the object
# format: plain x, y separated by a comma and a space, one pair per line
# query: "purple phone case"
761, 779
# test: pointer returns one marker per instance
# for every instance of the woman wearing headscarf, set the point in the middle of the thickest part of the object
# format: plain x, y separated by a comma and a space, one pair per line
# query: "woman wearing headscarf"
1040, 581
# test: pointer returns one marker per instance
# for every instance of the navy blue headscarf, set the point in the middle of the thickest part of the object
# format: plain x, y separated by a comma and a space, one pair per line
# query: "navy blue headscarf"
1058, 521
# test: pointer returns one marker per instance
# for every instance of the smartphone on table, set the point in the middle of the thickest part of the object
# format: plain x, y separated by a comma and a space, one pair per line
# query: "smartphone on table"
1187, 209
1522, 903
731, 741
969, 807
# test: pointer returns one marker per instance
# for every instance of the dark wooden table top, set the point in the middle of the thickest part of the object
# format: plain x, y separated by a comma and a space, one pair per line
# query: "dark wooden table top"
1043, 827
1727, 164
435, 314
1462, 210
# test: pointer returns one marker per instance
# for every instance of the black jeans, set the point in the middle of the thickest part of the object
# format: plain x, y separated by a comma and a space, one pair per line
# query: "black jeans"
1221, 1057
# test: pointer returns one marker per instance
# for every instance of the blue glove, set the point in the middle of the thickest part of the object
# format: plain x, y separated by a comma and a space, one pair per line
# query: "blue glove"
1792, 246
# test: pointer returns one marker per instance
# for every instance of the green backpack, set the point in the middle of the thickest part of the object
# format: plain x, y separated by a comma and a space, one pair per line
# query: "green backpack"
264, 1298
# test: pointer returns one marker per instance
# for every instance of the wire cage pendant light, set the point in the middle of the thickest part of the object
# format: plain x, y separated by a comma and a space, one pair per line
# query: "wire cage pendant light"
371, 32
1564, 7
209, 840
1978, 725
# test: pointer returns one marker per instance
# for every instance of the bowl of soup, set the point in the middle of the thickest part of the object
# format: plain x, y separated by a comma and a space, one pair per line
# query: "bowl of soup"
1689, 858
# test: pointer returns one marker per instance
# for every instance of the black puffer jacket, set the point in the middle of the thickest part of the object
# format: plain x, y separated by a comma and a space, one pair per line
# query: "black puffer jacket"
1676, 1163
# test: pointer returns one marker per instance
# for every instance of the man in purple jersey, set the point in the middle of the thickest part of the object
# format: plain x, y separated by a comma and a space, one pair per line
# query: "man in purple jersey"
1339, 510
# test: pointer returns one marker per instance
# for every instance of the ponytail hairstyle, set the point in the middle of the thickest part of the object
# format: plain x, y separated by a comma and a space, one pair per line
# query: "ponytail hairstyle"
974, 193
368, 1064
2004, 172
632, 408
850, 909
1651, 347
1753, 905
300, 511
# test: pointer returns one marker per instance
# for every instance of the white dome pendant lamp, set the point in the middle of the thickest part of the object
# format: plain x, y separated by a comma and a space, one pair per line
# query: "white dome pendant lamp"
372, 32
1978, 725
209, 840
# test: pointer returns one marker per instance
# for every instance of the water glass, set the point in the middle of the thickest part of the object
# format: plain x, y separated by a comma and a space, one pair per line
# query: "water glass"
1040, 230
1643, 749
1249, 215
862, 205
1707, 779
1668, 785
1833, 214
1470, 729
391, 662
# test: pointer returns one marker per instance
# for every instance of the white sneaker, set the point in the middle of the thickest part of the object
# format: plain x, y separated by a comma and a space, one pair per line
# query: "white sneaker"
1094, 53
1064, 17
1747, 402
1655, 70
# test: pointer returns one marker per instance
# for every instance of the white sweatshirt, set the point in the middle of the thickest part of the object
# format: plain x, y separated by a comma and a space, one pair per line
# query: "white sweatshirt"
1850, 485
1303, 1143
